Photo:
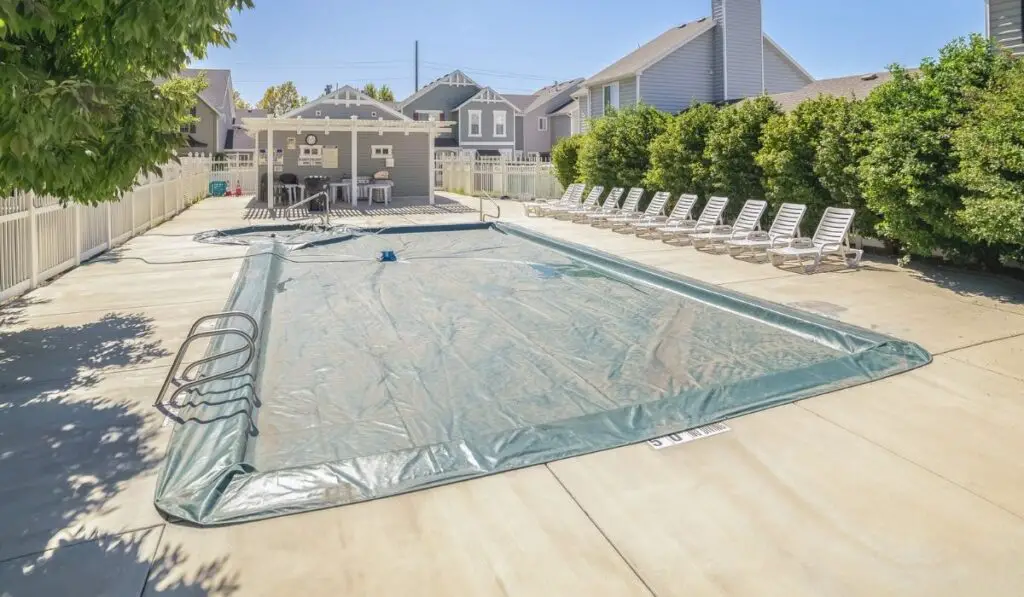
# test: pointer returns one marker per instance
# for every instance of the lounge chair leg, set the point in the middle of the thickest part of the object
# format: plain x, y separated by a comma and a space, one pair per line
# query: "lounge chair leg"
857, 255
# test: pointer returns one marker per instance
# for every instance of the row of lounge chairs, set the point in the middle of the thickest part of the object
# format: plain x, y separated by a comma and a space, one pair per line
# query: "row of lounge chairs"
781, 242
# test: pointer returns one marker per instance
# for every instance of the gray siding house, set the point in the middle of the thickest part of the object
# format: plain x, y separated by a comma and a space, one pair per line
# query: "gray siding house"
487, 123
1004, 20
215, 109
542, 114
439, 100
721, 58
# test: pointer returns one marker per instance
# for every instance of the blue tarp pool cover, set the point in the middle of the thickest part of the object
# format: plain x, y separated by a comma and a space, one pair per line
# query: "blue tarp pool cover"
481, 349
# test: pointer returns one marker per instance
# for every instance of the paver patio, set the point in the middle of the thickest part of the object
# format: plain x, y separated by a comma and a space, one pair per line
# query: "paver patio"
908, 486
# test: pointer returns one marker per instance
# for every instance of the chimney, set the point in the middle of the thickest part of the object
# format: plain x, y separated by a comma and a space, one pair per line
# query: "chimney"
739, 47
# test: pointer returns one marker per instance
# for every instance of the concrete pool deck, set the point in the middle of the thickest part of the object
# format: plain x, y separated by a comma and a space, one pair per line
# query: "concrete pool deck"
908, 486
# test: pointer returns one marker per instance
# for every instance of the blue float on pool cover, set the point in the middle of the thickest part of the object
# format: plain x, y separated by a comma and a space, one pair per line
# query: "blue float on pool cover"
486, 348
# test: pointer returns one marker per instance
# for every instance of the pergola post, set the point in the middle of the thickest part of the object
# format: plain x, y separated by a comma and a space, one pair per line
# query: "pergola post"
432, 164
270, 167
355, 163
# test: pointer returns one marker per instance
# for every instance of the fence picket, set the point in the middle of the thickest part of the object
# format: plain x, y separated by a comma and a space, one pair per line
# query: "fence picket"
497, 177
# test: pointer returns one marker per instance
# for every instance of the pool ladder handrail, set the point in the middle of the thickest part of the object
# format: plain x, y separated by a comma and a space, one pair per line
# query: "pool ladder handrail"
324, 219
484, 216
186, 383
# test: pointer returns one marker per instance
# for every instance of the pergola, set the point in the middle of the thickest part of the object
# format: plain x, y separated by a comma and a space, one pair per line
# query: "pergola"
355, 125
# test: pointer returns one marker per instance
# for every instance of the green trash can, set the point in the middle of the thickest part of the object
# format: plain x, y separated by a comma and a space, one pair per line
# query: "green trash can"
218, 188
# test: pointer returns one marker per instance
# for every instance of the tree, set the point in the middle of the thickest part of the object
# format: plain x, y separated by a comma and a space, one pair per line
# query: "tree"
240, 102
280, 99
616, 151
908, 172
678, 162
565, 158
89, 98
842, 144
732, 146
382, 93
990, 150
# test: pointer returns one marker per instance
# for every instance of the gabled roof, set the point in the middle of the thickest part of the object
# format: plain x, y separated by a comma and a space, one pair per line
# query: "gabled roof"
852, 87
653, 51
218, 82
456, 78
489, 95
567, 109
347, 93
550, 92
519, 100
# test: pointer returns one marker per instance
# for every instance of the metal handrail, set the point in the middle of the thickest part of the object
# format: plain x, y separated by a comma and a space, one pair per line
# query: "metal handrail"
225, 315
250, 346
483, 216
325, 218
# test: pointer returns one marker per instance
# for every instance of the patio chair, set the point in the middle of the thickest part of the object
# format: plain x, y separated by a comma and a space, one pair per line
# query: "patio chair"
655, 209
748, 221
831, 238
593, 197
536, 208
630, 205
681, 212
680, 232
578, 212
785, 227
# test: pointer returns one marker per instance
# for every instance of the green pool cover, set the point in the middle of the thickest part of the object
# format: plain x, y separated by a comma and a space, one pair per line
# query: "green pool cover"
484, 348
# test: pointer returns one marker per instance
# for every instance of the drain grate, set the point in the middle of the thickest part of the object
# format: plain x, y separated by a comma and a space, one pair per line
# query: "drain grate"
685, 437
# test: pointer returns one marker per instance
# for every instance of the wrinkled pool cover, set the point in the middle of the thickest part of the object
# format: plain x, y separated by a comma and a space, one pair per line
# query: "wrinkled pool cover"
485, 348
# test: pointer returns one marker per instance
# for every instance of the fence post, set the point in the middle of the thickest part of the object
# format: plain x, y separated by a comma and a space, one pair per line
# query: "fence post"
78, 232
33, 239
149, 179
110, 236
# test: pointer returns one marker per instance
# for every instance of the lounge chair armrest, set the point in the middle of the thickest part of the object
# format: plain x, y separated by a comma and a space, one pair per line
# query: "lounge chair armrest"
802, 243
722, 229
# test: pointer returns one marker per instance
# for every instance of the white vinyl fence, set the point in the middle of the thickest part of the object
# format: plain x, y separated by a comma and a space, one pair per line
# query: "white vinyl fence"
496, 177
238, 170
40, 238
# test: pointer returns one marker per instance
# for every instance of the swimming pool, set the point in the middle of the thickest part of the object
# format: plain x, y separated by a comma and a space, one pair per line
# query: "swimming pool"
483, 348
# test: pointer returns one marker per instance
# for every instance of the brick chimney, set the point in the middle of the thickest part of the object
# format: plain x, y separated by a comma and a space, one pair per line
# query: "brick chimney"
739, 47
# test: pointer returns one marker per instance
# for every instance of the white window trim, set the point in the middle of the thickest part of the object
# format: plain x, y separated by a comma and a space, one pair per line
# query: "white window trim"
614, 99
542, 124
436, 115
504, 124
480, 124
387, 151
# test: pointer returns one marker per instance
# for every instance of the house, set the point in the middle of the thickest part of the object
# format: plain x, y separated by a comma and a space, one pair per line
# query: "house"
1004, 20
853, 87
215, 109
544, 121
487, 122
346, 132
721, 58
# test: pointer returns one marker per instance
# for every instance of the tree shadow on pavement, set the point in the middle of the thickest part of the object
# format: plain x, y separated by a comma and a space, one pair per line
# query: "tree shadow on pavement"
973, 284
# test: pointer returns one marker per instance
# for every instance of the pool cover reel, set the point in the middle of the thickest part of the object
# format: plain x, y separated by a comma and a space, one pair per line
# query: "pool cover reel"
482, 348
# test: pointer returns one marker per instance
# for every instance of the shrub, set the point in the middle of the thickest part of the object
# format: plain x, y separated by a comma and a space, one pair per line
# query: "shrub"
615, 153
565, 157
990, 148
842, 144
678, 160
908, 172
734, 141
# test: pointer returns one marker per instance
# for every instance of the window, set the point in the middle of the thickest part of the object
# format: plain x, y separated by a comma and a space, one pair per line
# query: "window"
319, 113
190, 128
380, 151
475, 123
611, 96
373, 114
542, 124
499, 123
432, 115
311, 155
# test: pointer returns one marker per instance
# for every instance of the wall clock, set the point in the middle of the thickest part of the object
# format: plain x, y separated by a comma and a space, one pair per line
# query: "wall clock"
310, 139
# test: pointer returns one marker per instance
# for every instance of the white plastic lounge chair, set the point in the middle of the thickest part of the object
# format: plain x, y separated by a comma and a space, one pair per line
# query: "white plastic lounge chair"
711, 216
831, 238
577, 213
536, 208
785, 227
655, 209
681, 212
609, 206
748, 221
592, 198
630, 205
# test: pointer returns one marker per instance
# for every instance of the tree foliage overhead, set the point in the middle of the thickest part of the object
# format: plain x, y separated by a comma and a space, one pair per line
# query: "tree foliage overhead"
909, 171
382, 93
734, 141
678, 160
81, 113
616, 151
990, 147
240, 102
565, 157
281, 99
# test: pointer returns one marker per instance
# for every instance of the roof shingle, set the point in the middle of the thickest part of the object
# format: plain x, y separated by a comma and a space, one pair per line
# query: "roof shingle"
653, 51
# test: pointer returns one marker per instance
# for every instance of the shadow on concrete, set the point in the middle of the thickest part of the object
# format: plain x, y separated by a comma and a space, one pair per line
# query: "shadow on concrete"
71, 435
13, 313
127, 565
971, 284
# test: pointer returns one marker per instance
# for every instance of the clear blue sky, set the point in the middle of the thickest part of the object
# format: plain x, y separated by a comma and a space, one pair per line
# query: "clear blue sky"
519, 46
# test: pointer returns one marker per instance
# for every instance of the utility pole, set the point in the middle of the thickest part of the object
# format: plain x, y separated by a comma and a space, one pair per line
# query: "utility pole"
417, 62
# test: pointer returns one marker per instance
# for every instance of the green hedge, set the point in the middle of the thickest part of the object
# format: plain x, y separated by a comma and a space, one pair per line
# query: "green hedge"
565, 157
932, 160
